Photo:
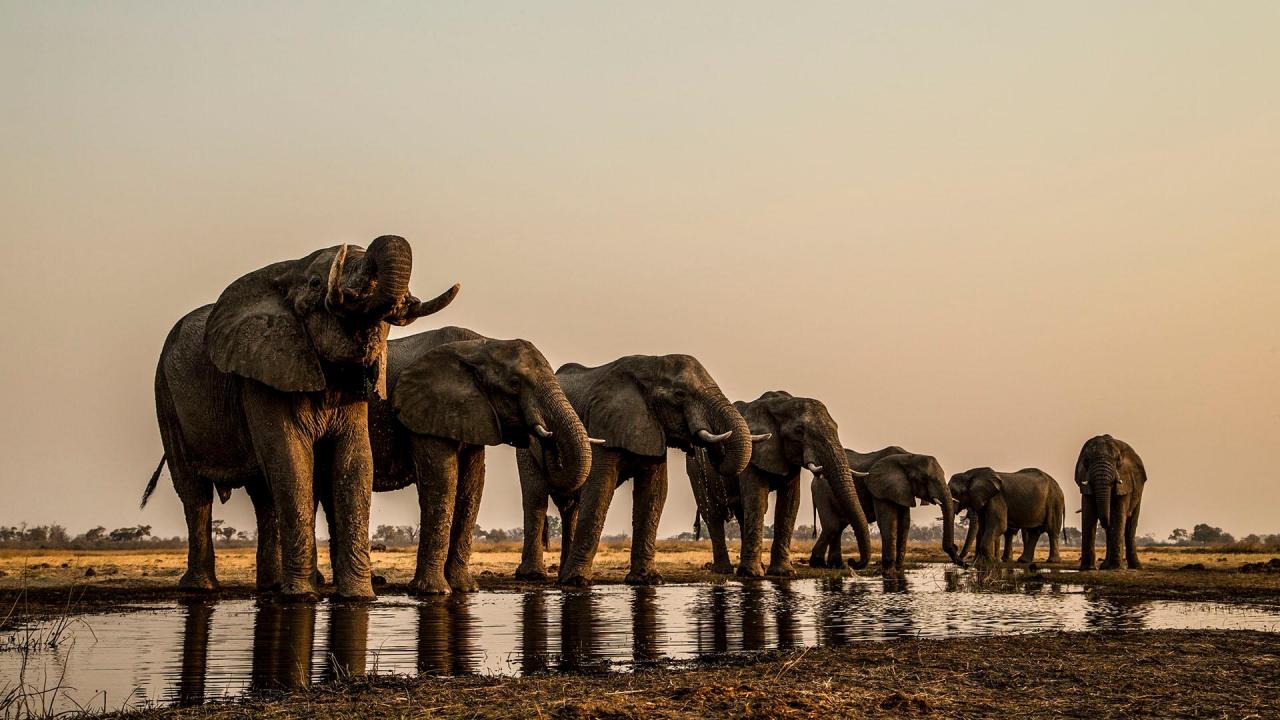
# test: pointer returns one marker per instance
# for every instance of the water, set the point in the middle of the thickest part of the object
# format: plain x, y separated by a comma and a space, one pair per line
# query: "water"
191, 652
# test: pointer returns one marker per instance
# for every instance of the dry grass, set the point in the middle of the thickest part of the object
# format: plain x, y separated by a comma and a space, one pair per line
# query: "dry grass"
1153, 674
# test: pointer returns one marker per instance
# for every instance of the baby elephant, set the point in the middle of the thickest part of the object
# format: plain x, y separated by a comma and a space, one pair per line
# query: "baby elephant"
1004, 503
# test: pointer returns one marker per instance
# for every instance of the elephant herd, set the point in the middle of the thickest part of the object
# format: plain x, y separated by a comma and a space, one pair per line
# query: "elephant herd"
288, 387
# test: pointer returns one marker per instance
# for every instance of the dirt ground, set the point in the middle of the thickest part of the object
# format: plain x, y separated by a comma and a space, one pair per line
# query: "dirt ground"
47, 579
1152, 674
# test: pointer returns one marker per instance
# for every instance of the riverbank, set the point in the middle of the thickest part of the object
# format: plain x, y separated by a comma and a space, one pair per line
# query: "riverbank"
1148, 674
33, 582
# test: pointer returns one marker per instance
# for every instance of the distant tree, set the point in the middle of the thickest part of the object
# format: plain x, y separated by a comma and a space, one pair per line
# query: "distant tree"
242, 535
227, 532
37, 534
96, 534
1179, 536
1206, 534
126, 534
554, 526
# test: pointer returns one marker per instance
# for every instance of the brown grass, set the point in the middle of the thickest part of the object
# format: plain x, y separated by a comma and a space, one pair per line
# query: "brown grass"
1153, 674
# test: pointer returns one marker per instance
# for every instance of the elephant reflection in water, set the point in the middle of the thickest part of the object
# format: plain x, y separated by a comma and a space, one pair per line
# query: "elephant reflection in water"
712, 620
579, 634
645, 649
284, 644
446, 636
533, 633
839, 606
758, 600
195, 653
1116, 613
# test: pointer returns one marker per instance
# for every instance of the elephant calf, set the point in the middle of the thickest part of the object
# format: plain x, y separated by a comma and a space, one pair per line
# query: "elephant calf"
452, 392
1028, 500
894, 480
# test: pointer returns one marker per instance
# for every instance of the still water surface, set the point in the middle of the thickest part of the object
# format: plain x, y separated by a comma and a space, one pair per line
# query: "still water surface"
195, 651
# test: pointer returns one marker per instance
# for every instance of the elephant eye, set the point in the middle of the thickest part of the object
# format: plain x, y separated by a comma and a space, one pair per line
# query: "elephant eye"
315, 282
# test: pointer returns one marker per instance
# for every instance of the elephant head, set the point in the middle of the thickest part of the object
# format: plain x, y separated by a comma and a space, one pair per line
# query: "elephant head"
1107, 467
493, 392
901, 479
644, 404
801, 433
297, 325
975, 488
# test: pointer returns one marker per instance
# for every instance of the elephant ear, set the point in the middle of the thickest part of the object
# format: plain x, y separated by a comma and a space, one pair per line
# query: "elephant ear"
437, 394
253, 333
616, 411
767, 455
1081, 480
984, 487
1129, 472
888, 481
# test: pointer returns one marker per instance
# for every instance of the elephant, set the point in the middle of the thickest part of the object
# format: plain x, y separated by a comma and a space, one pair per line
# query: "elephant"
895, 480
795, 432
1003, 503
640, 405
268, 389
452, 392
1111, 478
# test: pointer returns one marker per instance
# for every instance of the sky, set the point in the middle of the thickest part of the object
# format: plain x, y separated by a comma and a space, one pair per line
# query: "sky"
983, 231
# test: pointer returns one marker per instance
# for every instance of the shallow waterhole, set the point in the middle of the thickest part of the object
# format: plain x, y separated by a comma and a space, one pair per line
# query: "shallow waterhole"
199, 650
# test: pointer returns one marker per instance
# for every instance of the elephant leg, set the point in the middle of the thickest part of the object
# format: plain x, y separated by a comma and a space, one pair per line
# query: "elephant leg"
533, 501
268, 561
1115, 541
970, 535
720, 560
990, 529
785, 510
288, 461
436, 464
466, 507
650, 495
1008, 545
1030, 538
351, 487
1130, 540
593, 506
1088, 533
1055, 533
818, 556
887, 519
755, 503
197, 505
904, 532
568, 525
834, 557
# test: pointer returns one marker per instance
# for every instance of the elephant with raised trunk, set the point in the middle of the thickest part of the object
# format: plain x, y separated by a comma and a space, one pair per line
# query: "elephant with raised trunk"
268, 389
796, 433
452, 392
1003, 503
640, 405
895, 480
1111, 478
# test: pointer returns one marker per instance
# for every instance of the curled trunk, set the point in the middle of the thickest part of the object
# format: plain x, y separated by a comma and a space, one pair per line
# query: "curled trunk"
568, 436
717, 415
391, 261
835, 466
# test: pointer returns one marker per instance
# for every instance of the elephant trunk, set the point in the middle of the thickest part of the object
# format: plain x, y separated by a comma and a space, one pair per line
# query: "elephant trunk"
970, 535
938, 489
1102, 477
835, 467
392, 260
571, 442
717, 415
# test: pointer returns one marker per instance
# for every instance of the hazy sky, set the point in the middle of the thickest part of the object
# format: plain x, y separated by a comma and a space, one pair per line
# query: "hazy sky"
985, 231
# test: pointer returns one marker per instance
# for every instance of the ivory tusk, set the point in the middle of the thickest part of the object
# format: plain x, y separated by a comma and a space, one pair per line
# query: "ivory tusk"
761, 438
542, 431
707, 437
595, 441
815, 469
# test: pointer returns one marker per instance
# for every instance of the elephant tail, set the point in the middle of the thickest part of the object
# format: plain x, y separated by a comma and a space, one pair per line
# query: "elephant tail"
151, 484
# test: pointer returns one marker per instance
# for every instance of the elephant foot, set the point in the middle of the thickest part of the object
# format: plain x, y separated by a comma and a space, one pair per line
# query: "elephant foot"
1054, 559
817, 562
1024, 560
1135, 563
430, 585
781, 570
1109, 565
751, 570
576, 581
1087, 566
531, 573
268, 586
723, 567
644, 577
889, 573
198, 582
460, 580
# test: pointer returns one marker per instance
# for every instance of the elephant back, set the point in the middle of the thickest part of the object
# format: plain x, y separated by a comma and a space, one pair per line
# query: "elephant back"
401, 352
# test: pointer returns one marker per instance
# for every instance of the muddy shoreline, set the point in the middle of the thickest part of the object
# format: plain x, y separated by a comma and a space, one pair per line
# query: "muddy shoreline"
1144, 674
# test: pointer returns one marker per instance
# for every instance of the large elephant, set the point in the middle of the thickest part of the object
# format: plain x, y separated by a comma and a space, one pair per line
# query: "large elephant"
640, 405
1111, 478
268, 389
1004, 503
895, 480
452, 392
796, 433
